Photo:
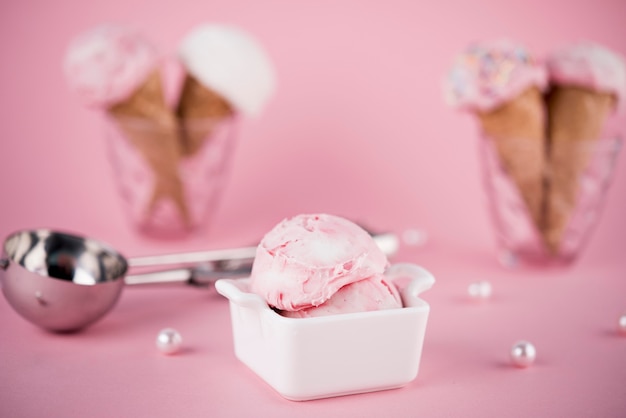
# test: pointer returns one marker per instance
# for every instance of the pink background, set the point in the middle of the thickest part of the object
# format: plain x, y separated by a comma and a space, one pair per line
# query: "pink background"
358, 128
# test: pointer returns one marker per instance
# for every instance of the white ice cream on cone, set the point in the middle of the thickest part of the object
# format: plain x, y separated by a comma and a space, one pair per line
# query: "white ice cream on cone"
230, 62
227, 72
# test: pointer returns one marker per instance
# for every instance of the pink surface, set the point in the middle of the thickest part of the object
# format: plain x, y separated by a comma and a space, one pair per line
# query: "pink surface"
358, 128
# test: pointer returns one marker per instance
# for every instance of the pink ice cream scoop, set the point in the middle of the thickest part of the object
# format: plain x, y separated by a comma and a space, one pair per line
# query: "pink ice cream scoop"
372, 294
108, 63
303, 261
590, 66
488, 74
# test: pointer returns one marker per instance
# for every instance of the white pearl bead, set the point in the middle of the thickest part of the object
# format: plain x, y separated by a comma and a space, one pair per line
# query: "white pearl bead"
508, 259
479, 290
414, 237
622, 324
168, 341
523, 354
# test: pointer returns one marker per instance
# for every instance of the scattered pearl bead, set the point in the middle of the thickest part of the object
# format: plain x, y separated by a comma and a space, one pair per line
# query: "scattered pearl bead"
479, 290
414, 237
507, 259
168, 341
622, 324
523, 354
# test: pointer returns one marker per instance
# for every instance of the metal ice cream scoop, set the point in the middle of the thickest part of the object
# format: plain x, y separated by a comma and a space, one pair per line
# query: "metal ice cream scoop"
64, 282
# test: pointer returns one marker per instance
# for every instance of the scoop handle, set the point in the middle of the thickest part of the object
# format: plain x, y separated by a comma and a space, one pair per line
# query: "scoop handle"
203, 268
235, 258
232, 255
202, 275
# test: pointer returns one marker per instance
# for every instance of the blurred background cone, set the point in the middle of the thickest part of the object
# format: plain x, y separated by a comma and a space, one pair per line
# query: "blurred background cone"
153, 130
587, 81
227, 72
200, 109
502, 84
518, 134
115, 68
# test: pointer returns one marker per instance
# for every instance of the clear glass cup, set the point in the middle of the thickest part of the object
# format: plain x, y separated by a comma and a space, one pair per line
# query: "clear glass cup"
170, 176
571, 206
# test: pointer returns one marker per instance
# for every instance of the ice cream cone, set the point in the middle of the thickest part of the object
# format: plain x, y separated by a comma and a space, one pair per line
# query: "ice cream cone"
199, 103
502, 85
152, 129
227, 72
114, 68
587, 81
577, 117
517, 131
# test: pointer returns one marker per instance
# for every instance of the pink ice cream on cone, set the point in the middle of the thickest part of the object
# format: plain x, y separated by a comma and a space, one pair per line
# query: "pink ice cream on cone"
501, 83
313, 265
114, 68
107, 64
588, 83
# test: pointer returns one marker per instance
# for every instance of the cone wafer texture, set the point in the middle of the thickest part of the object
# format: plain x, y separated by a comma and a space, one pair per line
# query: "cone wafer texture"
517, 131
502, 84
152, 128
577, 117
115, 68
199, 109
589, 82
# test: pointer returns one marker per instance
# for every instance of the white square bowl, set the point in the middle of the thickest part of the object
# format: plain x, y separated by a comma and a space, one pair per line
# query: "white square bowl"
312, 358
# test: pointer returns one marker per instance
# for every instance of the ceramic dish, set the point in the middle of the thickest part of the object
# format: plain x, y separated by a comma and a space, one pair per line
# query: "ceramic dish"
312, 358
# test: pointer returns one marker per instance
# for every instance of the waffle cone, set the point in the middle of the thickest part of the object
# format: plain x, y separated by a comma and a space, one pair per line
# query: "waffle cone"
517, 129
198, 104
576, 120
152, 129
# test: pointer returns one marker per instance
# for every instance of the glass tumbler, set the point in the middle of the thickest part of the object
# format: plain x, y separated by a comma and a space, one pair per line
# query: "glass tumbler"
576, 179
170, 176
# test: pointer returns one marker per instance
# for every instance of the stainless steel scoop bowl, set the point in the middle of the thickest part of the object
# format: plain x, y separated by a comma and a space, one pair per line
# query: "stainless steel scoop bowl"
59, 281
64, 282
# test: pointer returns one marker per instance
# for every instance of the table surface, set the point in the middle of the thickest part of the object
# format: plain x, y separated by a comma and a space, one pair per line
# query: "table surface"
358, 128
114, 368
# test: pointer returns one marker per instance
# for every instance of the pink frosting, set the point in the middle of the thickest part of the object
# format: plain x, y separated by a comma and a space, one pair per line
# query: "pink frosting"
489, 74
305, 260
108, 63
372, 294
591, 66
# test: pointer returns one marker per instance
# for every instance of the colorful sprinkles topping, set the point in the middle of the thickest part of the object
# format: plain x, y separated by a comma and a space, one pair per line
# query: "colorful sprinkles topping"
486, 74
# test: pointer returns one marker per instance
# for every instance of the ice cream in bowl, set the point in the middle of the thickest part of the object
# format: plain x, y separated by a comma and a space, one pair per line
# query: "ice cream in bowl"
324, 314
